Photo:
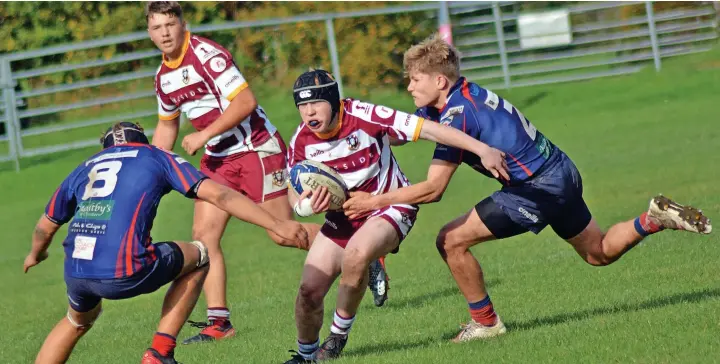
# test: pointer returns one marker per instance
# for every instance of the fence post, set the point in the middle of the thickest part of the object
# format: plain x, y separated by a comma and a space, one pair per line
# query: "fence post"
334, 54
653, 34
444, 26
501, 42
11, 122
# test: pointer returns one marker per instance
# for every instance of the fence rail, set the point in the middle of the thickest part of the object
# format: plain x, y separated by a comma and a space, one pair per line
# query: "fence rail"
486, 33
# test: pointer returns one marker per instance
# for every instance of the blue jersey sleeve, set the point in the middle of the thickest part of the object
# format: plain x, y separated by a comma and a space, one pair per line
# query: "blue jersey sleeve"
61, 207
448, 153
179, 173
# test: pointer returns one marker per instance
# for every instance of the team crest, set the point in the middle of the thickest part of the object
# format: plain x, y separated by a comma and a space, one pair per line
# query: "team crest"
278, 178
405, 218
353, 142
186, 76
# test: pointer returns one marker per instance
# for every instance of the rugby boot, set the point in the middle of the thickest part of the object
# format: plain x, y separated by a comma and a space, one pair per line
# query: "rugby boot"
672, 215
332, 347
299, 359
379, 282
215, 330
151, 356
473, 331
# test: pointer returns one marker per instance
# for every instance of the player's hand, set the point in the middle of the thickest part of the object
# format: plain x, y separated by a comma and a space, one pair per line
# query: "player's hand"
193, 142
319, 198
293, 231
494, 161
359, 204
32, 260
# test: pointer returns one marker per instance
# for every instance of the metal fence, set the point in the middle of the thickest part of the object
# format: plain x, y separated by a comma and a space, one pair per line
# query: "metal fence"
486, 33
608, 39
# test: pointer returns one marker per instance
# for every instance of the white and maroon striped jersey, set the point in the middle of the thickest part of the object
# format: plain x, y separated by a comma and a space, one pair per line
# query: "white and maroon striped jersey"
359, 148
201, 83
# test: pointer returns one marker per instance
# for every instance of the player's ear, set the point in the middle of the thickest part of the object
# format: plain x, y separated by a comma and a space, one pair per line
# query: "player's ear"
440, 81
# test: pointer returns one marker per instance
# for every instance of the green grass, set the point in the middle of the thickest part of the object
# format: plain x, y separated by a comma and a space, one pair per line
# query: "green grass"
631, 138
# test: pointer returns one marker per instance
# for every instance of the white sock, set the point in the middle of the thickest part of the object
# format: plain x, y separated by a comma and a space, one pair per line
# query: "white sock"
218, 313
341, 325
307, 351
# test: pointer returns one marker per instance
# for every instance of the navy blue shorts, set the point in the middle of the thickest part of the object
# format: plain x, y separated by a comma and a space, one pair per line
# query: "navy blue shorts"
84, 294
552, 197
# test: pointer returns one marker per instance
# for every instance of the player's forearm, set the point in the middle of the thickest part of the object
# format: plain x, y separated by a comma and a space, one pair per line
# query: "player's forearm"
236, 204
452, 137
240, 108
423, 192
166, 134
42, 237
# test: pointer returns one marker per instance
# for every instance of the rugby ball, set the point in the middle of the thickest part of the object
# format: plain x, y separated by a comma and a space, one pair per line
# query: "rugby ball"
309, 175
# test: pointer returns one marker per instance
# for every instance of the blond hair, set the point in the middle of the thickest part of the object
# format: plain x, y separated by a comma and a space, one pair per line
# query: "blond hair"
433, 55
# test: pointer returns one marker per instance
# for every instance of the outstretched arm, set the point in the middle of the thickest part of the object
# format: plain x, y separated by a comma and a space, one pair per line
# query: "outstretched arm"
244, 209
492, 159
430, 190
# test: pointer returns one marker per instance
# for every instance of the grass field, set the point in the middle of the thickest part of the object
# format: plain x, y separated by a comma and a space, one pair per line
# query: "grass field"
631, 138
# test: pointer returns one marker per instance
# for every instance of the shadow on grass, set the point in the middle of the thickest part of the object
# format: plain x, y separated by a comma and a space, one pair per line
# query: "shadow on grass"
687, 297
417, 301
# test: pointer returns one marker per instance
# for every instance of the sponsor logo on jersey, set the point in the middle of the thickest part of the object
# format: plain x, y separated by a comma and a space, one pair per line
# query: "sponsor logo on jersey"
233, 79
450, 114
527, 214
95, 210
383, 112
218, 64
492, 100
207, 54
474, 89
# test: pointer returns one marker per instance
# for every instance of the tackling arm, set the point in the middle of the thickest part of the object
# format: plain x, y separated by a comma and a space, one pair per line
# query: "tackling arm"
235, 203
430, 190
493, 160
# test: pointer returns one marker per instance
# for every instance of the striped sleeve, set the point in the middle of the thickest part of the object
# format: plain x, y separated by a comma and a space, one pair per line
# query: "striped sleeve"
61, 207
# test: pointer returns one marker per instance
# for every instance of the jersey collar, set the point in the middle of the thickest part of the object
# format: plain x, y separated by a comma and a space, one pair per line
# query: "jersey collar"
176, 63
455, 88
336, 130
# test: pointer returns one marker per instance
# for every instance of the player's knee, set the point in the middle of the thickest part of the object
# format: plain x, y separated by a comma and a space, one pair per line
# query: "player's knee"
445, 245
598, 259
204, 257
84, 324
309, 296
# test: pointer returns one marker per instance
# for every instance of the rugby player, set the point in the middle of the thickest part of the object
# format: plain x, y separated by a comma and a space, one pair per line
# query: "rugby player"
110, 202
545, 187
243, 150
353, 137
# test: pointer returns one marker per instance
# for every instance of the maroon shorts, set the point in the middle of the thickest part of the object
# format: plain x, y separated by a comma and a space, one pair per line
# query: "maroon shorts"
339, 229
259, 174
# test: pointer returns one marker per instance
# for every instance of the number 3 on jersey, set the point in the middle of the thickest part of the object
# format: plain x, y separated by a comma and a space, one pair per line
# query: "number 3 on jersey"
492, 99
105, 172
